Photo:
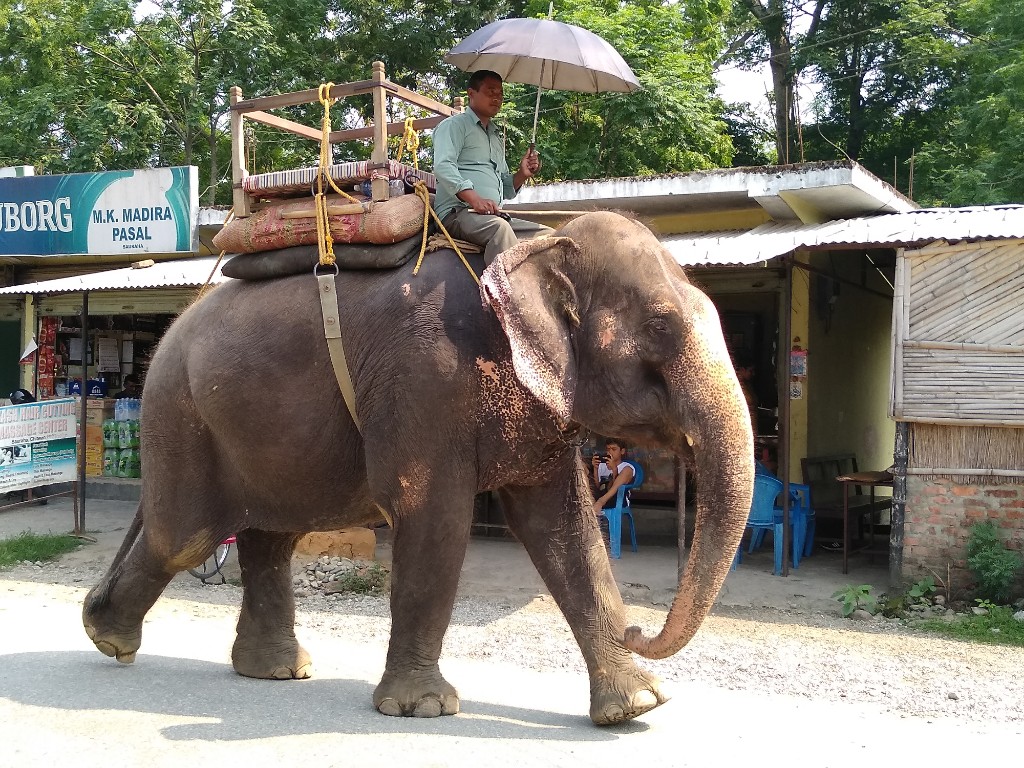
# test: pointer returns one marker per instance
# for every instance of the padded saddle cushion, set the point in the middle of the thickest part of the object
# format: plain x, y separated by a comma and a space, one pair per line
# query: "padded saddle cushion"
270, 228
300, 260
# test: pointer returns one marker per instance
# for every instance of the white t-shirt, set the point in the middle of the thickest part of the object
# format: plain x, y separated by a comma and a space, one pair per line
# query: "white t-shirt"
604, 474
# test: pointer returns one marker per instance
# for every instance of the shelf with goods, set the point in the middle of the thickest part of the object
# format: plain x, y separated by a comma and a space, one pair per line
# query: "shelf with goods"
111, 353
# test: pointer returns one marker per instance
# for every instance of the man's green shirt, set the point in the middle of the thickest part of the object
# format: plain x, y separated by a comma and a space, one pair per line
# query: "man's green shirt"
469, 156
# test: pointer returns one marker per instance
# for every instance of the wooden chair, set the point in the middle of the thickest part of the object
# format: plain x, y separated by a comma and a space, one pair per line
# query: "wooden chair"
820, 473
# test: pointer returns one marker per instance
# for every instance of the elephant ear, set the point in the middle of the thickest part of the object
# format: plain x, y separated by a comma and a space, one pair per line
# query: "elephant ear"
535, 302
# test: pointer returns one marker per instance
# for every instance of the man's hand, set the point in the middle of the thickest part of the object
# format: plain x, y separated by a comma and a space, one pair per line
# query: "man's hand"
530, 164
479, 204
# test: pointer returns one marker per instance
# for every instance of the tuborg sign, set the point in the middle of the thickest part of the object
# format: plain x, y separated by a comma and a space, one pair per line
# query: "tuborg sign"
114, 212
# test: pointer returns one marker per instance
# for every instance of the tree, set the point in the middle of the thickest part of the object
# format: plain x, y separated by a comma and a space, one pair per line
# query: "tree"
61, 110
771, 24
883, 67
673, 124
978, 157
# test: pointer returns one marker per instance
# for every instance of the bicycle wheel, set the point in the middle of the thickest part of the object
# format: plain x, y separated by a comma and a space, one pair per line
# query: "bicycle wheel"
213, 564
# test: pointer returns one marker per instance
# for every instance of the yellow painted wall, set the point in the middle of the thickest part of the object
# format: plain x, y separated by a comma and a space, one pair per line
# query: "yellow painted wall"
848, 363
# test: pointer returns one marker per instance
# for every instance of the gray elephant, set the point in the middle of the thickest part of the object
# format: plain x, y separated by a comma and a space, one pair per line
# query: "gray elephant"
246, 432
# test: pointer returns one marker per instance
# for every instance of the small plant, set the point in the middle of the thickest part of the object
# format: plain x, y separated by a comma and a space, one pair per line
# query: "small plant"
854, 598
988, 605
34, 547
371, 580
924, 588
993, 566
894, 606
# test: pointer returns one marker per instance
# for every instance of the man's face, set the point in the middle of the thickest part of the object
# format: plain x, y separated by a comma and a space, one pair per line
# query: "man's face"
486, 102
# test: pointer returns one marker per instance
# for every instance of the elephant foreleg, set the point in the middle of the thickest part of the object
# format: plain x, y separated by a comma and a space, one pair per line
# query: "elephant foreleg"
428, 551
265, 644
562, 536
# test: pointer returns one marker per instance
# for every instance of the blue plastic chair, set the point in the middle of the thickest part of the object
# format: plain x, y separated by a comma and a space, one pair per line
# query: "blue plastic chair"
801, 516
615, 514
763, 518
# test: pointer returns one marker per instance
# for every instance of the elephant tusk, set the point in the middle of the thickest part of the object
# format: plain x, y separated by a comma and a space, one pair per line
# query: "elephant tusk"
689, 441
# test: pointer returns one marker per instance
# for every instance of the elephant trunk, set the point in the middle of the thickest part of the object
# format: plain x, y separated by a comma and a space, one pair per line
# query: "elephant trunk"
722, 442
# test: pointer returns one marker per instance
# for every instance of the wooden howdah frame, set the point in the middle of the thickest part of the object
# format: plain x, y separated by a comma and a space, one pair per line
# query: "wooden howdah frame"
378, 86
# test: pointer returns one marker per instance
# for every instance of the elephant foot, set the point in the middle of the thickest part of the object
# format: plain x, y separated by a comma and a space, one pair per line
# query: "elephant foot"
617, 698
281, 661
423, 694
121, 643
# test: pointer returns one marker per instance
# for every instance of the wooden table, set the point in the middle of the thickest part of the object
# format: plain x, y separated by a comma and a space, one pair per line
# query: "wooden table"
870, 479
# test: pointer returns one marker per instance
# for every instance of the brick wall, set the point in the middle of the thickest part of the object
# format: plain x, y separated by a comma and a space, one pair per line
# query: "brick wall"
938, 518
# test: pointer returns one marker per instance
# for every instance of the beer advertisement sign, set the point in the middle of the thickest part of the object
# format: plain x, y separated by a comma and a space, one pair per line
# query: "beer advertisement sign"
102, 214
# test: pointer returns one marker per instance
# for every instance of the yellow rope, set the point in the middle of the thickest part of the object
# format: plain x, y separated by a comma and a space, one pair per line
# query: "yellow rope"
424, 195
202, 290
324, 241
411, 139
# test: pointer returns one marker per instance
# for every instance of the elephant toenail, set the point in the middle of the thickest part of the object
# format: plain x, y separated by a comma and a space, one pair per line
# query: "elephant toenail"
389, 707
644, 700
427, 707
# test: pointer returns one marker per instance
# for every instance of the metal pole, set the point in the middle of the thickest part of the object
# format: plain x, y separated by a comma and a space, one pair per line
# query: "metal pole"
80, 516
540, 85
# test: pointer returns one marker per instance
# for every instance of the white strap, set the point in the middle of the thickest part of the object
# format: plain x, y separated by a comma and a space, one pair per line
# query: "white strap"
332, 332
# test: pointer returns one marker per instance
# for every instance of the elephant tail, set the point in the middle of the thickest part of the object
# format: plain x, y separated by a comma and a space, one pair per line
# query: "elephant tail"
99, 596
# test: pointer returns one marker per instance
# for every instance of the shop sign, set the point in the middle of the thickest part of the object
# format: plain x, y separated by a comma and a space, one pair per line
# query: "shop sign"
101, 214
37, 444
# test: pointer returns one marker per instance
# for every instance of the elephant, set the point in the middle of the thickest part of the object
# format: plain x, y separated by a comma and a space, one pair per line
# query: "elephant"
459, 389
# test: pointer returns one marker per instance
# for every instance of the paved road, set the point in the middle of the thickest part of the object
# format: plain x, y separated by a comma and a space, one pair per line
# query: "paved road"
64, 704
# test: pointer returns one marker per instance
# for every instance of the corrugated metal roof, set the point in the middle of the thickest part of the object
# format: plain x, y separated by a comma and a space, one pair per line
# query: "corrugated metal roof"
179, 273
774, 239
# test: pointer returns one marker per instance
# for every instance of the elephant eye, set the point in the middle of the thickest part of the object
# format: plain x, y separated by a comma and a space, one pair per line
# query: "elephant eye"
656, 326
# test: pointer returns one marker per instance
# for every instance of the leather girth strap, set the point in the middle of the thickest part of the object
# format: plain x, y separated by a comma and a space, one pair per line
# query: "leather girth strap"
332, 332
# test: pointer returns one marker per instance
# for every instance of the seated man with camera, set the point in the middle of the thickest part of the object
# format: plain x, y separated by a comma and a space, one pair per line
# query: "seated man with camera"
609, 471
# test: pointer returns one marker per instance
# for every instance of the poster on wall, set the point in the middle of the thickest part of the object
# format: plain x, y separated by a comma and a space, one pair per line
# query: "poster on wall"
154, 210
37, 444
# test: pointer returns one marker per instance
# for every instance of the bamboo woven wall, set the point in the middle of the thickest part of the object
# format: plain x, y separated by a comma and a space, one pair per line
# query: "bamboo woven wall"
939, 446
958, 326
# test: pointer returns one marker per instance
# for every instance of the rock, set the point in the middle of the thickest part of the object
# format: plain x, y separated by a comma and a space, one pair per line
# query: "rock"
917, 607
352, 543
1019, 615
861, 615
952, 696
939, 600
979, 611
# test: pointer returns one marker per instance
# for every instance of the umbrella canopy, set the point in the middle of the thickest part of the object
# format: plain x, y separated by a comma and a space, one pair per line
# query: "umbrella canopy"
545, 53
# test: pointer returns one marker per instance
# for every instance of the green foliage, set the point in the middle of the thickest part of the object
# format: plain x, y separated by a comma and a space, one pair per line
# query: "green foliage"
997, 626
923, 588
34, 546
893, 606
854, 598
993, 566
978, 156
673, 124
371, 580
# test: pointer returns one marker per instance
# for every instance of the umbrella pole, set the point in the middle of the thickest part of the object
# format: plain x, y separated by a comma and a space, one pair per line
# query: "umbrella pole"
536, 109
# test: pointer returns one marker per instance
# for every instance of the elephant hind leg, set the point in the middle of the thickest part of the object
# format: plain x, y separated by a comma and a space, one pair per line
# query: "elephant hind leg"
265, 645
115, 608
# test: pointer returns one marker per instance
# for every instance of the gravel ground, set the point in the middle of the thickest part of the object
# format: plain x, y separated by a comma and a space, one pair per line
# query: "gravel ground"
811, 656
